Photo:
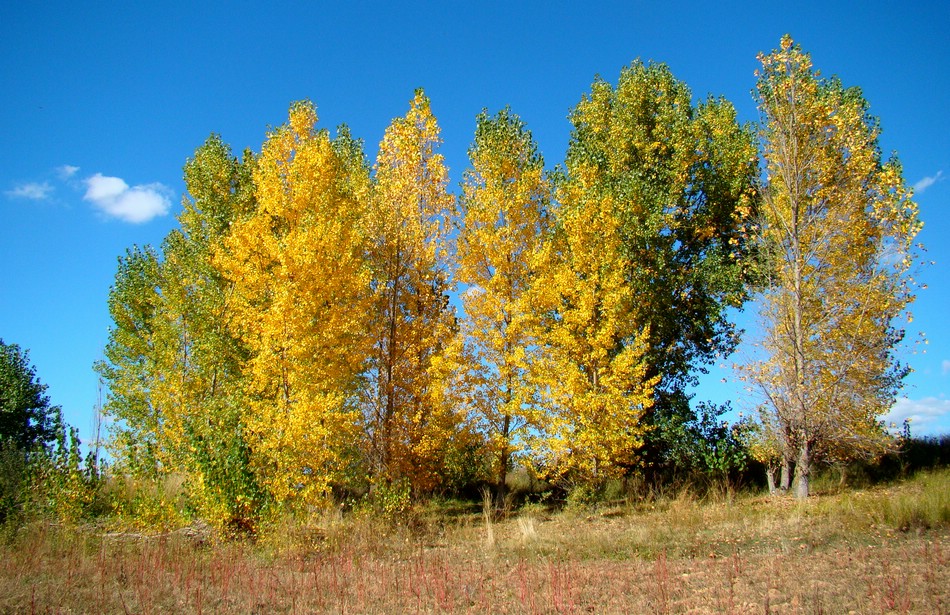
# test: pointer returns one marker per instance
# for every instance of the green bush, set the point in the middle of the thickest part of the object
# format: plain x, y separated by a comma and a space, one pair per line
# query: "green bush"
13, 477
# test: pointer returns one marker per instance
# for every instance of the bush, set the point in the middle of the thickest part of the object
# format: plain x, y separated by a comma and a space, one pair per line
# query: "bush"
13, 477
693, 447
158, 503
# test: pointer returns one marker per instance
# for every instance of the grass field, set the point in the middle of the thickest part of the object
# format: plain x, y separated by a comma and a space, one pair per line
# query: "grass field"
879, 550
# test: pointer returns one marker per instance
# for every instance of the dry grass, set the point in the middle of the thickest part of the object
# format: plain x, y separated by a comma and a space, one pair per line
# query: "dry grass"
876, 551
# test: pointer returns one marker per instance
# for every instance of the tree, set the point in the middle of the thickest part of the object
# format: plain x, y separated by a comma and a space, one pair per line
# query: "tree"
838, 225
204, 418
596, 383
761, 439
172, 365
130, 368
407, 431
301, 300
41, 472
27, 420
678, 182
503, 222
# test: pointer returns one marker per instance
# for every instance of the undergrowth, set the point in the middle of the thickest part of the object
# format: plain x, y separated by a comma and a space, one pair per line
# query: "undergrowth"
875, 550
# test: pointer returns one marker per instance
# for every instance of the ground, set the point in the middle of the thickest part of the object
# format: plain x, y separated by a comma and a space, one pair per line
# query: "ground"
879, 550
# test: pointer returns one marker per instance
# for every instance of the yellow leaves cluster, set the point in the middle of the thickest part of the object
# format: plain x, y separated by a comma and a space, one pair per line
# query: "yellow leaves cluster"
410, 427
309, 321
502, 226
598, 387
301, 298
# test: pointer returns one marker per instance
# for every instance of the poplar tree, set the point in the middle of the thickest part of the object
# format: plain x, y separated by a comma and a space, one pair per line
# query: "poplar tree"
503, 220
301, 299
412, 322
596, 386
27, 421
130, 368
838, 224
204, 410
172, 366
674, 184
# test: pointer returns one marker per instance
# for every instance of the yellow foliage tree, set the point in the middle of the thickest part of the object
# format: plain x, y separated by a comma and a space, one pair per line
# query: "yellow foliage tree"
596, 379
503, 222
412, 321
301, 300
839, 225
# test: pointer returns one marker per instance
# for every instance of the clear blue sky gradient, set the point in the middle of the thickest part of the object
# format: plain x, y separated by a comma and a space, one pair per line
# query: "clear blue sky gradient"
129, 90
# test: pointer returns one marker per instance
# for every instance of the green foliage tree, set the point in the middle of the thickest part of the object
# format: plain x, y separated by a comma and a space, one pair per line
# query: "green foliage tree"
681, 177
838, 224
27, 420
41, 472
28, 428
129, 368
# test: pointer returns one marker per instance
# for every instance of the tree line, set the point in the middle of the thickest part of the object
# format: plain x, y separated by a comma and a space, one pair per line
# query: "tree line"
322, 325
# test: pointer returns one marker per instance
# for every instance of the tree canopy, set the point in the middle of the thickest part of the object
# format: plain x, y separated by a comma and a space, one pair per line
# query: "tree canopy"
678, 181
27, 419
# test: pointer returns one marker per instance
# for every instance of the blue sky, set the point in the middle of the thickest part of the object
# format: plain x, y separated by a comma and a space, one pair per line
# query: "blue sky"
103, 102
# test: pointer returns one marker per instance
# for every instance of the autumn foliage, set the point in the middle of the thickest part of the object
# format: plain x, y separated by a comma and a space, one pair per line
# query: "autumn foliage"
839, 227
322, 327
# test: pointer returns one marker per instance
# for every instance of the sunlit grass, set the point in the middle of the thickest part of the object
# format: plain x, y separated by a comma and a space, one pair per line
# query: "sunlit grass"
878, 550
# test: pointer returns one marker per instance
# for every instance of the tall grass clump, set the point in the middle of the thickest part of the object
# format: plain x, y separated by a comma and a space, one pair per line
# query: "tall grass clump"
925, 505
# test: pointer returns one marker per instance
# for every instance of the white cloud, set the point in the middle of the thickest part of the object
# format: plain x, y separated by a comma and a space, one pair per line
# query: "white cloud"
102, 188
66, 171
927, 416
945, 367
113, 197
33, 191
927, 182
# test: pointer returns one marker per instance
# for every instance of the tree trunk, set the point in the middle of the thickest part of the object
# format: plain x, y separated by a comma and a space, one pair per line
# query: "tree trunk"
504, 459
770, 477
505, 456
802, 471
786, 479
